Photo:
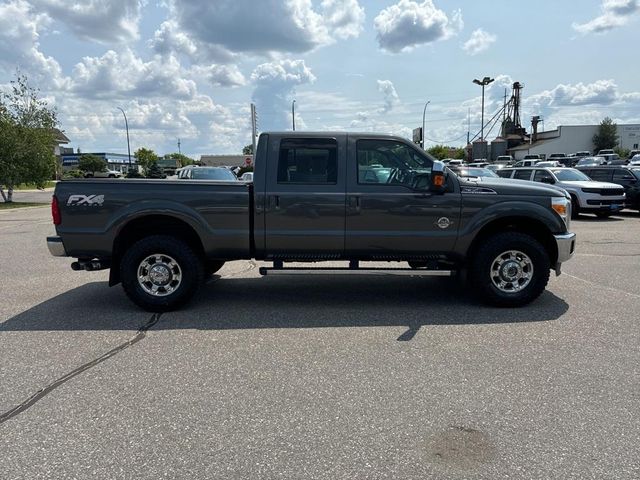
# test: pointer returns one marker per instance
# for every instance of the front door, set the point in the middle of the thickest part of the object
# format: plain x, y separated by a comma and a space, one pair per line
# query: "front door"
305, 202
387, 217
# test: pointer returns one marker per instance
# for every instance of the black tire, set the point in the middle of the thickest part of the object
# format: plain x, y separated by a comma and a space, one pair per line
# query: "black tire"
603, 215
575, 207
112, 176
480, 277
212, 267
190, 265
88, 175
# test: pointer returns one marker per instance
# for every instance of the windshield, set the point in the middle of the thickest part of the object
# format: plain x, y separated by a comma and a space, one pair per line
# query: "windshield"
213, 174
570, 175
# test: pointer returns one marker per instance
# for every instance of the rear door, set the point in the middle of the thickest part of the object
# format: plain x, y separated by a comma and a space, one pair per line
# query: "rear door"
305, 198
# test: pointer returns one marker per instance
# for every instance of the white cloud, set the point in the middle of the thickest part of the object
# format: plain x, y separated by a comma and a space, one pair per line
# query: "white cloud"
390, 95
615, 13
124, 75
105, 21
479, 41
601, 92
275, 85
220, 75
267, 26
169, 40
408, 24
344, 17
20, 30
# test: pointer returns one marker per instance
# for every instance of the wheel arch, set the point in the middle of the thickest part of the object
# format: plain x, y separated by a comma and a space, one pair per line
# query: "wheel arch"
155, 224
527, 225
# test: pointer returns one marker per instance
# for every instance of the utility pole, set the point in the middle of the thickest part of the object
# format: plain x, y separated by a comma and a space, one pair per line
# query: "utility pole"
126, 124
468, 123
293, 114
424, 112
253, 128
179, 151
483, 83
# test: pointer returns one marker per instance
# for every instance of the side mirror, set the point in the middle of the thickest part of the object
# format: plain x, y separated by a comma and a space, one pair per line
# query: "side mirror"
438, 182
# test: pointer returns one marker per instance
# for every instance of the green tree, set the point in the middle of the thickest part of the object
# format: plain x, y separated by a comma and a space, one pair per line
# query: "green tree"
27, 138
442, 151
145, 158
182, 159
90, 164
154, 171
247, 149
607, 136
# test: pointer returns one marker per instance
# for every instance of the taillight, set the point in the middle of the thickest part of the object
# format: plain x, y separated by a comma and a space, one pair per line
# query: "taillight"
55, 211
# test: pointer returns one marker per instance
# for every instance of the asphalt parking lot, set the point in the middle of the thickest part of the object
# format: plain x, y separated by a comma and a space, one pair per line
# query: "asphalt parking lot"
336, 378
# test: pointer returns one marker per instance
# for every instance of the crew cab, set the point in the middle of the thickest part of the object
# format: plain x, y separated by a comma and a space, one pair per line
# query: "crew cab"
339, 197
587, 196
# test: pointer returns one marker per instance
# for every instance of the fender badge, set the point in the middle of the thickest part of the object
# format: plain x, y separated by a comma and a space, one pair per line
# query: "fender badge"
444, 222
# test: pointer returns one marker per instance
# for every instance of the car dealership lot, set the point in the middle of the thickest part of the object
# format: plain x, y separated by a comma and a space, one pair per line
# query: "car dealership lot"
320, 377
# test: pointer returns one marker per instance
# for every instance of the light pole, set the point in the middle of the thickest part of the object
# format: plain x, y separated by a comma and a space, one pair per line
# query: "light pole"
293, 114
126, 124
424, 112
483, 83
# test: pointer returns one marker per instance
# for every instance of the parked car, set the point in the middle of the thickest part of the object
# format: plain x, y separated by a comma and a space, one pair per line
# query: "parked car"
548, 163
635, 160
633, 153
532, 156
478, 164
210, 173
583, 153
627, 177
587, 196
494, 167
106, 174
505, 159
247, 177
561, 158
454, 161
381, 199
526, 163
591, 162
606, 151
612, 159
467, 172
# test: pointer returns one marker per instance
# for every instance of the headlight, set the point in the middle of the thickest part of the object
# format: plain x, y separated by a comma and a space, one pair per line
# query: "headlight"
562, 206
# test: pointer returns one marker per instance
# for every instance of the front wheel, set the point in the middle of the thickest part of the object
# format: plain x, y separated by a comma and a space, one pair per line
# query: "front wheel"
161, 273
509, 270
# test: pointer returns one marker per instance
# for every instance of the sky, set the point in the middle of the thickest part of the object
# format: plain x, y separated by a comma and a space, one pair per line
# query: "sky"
189, 69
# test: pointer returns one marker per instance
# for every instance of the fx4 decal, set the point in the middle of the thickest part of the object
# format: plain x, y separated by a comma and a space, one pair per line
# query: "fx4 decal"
90, 200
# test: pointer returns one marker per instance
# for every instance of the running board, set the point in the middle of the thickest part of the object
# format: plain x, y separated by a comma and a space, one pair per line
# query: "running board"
357, 271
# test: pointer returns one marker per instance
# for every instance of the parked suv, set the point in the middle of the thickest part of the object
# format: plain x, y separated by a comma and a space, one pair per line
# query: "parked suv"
628, 178
561, 158
587, 196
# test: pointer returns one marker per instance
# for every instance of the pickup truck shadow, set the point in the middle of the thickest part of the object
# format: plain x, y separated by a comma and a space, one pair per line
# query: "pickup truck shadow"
286, 302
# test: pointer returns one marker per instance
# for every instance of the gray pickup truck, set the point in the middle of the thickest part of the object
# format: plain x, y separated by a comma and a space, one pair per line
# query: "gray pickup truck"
318, 197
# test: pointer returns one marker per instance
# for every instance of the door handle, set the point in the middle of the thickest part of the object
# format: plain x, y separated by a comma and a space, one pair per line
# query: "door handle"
276, 202
354, 202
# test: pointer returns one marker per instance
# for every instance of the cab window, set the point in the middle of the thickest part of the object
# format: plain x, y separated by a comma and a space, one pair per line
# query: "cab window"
389, 162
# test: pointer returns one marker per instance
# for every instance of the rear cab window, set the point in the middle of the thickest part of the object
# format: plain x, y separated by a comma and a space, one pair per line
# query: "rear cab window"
308, 161
523, 174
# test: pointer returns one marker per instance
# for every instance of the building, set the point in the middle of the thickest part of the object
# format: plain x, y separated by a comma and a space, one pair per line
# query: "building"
226, 160
115, 161
574, 138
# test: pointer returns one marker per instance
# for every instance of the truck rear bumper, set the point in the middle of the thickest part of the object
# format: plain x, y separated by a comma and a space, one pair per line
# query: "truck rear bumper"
566, 247
56, 247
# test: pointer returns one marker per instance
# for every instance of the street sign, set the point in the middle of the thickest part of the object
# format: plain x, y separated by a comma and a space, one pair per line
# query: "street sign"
417, 135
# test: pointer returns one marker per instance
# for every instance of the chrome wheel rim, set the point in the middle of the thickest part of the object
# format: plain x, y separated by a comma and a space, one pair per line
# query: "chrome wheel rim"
511, 271
159, 275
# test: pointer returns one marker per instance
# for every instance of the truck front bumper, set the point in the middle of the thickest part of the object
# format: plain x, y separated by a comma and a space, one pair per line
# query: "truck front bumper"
566, 244
56, 247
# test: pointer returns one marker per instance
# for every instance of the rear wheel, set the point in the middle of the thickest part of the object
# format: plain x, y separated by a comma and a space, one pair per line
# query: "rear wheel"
160, 273
509, 270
